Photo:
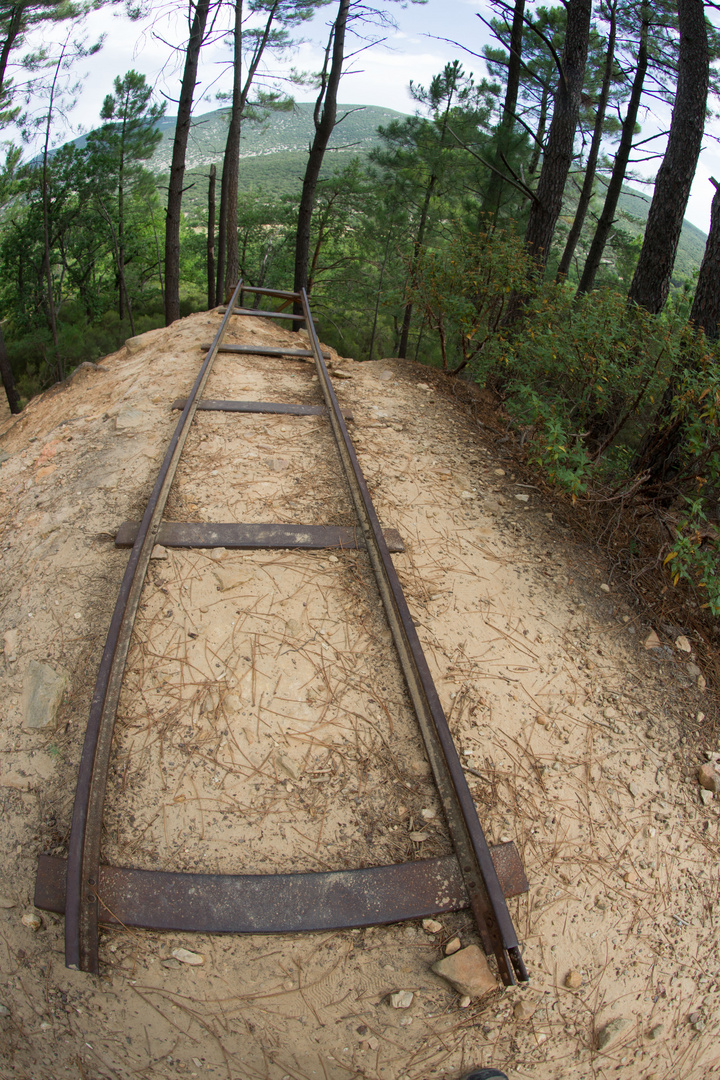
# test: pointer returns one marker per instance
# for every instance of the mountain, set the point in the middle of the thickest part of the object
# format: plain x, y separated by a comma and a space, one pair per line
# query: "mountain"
273, 153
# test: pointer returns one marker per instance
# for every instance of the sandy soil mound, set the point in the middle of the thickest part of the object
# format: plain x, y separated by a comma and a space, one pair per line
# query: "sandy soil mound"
263, 728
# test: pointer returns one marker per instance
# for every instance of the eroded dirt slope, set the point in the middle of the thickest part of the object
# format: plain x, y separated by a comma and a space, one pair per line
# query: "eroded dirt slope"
263, 727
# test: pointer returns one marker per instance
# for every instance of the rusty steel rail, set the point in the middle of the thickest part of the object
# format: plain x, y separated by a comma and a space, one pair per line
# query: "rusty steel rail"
478, 876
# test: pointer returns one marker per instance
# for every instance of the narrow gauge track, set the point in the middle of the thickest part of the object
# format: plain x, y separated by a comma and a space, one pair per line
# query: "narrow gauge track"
477, 876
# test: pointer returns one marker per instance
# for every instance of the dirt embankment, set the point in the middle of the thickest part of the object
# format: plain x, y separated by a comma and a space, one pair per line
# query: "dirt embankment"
263, 728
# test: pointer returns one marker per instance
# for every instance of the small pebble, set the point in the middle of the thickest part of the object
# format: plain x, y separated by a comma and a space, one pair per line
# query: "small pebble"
401, 999
573, 980
708, 778
683, 644
605, 587
431, 926
464, 1002
4, 1011
159, 552
453, 946
633, 789
186, 957
6, 903
32, 920
428, 813
611, 1031
656, 1032
524, 1010
523, 498
418, 837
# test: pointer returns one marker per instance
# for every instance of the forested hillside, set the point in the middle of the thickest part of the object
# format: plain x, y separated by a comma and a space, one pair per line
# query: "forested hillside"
493, 233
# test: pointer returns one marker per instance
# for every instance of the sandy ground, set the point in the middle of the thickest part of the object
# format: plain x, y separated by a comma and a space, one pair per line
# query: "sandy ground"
263, 727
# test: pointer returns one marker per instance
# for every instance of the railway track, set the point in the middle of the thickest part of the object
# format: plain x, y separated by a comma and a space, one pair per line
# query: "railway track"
474, 876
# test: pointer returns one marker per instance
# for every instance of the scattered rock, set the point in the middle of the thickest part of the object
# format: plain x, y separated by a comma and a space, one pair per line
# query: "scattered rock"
611, 1031
288, 766
522, 498
401, 999
683, 644
32, 920
186, 957
573, 979
129, 419
652, 641
418, 837
630, 878
609, 713
464, 1001
701, 683
10, 642
706, 797
453, 946
708, 778
498, 472
159, 552
468, 971
423, 386
44, 688
4, 1011
524, 1010
604, 587
6, 903
217, 554
385, 376
633, 789
656, 1032
430, 926
340, 373
693, 670
428, 813
694, 1017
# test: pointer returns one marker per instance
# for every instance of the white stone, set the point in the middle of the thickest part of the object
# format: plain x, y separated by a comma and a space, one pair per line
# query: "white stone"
401, 999
44, 689
193, 959
10, 642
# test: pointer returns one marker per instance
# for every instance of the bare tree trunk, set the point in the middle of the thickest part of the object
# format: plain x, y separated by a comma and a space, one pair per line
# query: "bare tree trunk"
491, 202
177, 165
590, 168
614, 190
540, 134
324, 124
211, 239
417, 248
547, 205
705, 310
227, 269
8, 379
651, 283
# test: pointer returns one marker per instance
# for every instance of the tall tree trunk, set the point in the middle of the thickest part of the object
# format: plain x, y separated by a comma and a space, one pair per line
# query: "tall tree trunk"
8, 379
493, 197
227, 269
177, 165
417, 248
657, 454
540, 134
590, 168
325, 117
614, 190
705, 311
547, 205
651, 283
122, 291
378, 294
211, 239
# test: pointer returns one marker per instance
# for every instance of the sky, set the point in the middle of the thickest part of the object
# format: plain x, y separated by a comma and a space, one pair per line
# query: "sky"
414, 49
